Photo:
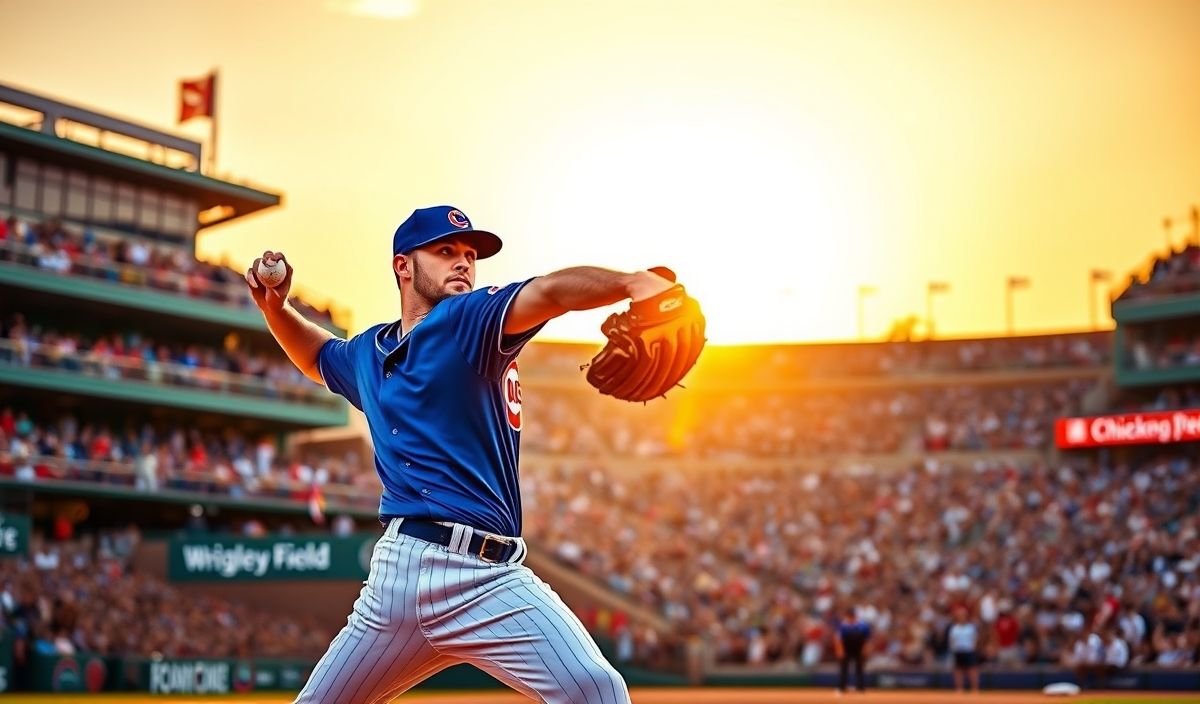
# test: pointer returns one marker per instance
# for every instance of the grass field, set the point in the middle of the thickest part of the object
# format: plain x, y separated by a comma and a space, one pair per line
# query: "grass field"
656, 696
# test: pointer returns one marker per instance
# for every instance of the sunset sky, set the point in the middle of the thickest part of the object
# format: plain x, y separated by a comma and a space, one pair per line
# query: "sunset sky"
778, 155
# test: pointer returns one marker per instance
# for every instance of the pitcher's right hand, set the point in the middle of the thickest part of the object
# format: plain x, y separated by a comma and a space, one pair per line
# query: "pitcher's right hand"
269, 298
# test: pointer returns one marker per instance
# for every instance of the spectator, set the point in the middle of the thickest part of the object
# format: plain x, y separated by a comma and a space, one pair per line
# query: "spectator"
1007, 629
964, 643
145, 467
1116, 654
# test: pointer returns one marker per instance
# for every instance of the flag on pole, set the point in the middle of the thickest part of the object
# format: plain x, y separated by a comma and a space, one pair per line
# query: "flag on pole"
938, 287
316, 505
197, 98
1018, 281
1101, 275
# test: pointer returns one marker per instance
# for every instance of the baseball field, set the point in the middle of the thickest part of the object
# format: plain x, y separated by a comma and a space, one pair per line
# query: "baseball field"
666, 696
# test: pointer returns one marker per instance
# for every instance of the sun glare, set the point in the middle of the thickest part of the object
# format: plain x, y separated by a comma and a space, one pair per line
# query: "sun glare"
379, 9
750, 212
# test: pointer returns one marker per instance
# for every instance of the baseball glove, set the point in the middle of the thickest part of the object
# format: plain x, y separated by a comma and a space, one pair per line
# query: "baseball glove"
650, 347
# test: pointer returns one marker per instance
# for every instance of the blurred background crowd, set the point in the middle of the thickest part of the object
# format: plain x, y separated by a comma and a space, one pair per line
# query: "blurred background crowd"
905, 480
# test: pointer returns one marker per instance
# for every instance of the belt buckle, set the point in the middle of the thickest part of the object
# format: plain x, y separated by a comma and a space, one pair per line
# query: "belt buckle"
483, 546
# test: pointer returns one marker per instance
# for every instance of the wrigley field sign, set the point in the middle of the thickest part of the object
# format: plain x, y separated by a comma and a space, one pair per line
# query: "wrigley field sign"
244, 559
14, 535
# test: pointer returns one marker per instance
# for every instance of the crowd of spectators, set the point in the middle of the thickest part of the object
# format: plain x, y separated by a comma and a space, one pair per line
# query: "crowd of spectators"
178, 457
1174, 397
53, 246
761, 562
723, 425
757, 560
132, 356
85, 596
1163, 349
780, 363
1175, 274
734, 425
728, 427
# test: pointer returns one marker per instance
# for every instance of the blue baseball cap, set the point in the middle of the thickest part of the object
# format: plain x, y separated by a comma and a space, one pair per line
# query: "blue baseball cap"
428, 225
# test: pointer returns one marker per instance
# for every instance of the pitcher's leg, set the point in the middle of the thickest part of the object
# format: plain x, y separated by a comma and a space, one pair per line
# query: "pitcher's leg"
381, 650
512, 625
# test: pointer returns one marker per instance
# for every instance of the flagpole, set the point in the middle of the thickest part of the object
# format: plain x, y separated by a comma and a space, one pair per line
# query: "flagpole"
1013, 283
1092, 316
863, 292
1098, 275
931, 288
212, 127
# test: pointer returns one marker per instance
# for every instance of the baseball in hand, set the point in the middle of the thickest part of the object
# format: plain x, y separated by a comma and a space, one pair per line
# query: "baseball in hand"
271, 275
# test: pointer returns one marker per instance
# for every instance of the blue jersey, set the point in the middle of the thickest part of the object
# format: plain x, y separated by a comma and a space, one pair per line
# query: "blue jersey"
443, 404
854, 636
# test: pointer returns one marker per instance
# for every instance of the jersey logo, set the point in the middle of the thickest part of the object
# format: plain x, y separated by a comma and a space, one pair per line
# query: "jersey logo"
457, 219
493, 290
511, 387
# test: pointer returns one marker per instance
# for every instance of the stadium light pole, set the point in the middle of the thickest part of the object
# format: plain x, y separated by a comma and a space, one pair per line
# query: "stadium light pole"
932, 288
1192, 238
863, 291
1098, 276
1014, 283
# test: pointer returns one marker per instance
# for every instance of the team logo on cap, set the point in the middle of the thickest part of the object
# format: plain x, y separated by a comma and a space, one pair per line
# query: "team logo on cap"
457, 219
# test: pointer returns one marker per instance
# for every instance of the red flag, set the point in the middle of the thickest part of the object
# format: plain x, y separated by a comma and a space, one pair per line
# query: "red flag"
316, 505
196, 98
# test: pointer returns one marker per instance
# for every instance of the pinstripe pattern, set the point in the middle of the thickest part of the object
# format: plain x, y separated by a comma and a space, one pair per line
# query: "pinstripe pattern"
380, 647
505, 620
425, 607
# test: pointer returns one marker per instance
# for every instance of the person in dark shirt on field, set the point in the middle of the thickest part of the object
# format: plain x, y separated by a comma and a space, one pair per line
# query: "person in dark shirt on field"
850, 646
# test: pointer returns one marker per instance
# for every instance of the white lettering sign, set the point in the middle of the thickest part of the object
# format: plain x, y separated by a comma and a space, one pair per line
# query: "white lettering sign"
189, 677
242, 560
8, 539
226, 562
309, 558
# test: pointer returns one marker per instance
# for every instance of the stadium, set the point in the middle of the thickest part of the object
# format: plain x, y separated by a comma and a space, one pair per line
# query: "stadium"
176, 496
186, 515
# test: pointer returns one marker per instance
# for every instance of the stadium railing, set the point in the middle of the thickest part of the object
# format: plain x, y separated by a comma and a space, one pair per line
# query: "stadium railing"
114, 368
232, 294
87, 473
166, 280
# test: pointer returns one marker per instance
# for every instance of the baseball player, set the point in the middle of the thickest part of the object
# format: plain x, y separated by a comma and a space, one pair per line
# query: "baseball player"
850, 647
442, 399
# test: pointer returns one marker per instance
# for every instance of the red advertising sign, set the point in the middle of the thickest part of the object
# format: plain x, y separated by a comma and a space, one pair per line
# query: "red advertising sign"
1128, 429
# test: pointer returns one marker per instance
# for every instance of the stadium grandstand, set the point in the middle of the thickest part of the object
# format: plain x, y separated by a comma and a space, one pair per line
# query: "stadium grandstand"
182, 511
140, 394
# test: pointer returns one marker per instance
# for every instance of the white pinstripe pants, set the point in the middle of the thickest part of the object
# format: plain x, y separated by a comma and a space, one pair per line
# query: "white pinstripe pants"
425, 608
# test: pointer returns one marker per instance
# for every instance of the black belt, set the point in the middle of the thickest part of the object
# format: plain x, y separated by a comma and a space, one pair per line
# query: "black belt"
485, 546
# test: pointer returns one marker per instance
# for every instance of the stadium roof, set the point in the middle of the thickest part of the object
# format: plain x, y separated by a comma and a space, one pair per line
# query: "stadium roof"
235, 200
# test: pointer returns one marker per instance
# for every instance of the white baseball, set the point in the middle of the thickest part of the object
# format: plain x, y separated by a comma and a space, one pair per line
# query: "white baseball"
271, 275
